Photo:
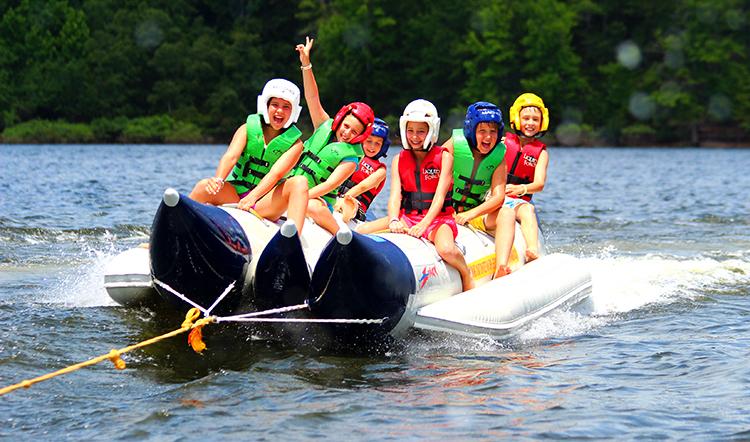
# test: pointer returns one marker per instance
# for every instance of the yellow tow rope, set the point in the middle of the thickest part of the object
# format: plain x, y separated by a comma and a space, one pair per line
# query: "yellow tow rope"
195, 340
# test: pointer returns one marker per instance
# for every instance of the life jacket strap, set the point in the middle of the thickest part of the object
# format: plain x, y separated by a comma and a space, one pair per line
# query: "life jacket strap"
258, 161
346, 186
316, 159
309, 171
467, 193
472, 181
514, 179
420, 202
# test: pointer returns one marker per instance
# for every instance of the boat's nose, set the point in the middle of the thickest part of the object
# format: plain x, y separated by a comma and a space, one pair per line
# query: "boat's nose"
361, 277
198, 250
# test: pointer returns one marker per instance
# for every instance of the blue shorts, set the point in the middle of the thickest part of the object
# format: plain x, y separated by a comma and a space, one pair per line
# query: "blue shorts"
512, 203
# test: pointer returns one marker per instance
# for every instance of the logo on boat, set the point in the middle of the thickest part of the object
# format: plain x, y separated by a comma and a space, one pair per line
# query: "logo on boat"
235, 241
426, 275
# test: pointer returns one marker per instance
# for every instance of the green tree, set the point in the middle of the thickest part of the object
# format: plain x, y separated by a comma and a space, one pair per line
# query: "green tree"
491, 47
513, 48
43, 44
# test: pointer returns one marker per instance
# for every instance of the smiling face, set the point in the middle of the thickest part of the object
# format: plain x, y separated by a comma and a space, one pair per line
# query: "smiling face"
531, 121
416, 132
279, 112
487, 135
350, 128
372, 145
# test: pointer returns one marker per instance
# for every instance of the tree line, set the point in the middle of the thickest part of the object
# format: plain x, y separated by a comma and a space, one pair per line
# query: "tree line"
611, 72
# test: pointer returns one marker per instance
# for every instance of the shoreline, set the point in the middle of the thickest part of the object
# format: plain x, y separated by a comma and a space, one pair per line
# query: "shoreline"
703, 145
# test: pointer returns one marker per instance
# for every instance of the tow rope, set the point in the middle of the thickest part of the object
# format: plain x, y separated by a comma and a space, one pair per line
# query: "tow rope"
114, 355
195, 337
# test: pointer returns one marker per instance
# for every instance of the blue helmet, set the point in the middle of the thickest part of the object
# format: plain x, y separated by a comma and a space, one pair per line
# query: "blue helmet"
481, 112
380, 129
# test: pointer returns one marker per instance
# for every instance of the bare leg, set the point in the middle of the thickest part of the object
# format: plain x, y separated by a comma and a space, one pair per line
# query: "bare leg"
446, 248
291, 195
490, 221
504, 235
529, 227
226, 195
318, 211
378, 225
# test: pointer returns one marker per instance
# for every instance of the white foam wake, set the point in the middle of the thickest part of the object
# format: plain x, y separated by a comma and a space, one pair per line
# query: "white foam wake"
83, 285
624, 284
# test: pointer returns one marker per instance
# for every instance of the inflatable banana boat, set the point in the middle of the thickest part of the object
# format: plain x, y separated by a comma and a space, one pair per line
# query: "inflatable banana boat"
354, 287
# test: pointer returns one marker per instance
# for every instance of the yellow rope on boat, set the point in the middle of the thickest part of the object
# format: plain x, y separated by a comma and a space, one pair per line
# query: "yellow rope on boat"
195, 341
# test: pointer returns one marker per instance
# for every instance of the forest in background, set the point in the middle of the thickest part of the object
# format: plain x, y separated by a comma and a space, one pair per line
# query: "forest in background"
178, 71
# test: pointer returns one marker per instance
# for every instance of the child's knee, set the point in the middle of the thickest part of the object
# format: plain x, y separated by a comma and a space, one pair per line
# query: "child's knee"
315, 207
526, 211
506, 214
447, 250
200, 185
297, 183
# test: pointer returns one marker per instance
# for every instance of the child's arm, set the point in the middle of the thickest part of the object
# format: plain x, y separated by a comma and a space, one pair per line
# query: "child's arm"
368, 183
444, 185
343, 171
394, 200
228, 160
540, 174
317, 113
497, 196
448, 145
280, 168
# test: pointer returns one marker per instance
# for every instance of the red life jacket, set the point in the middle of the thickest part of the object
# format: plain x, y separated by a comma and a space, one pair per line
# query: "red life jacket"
521, 162
367, 167
418, 185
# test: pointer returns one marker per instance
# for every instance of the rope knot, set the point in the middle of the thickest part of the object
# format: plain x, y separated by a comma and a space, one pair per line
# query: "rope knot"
190, 317
195, 337
114, 356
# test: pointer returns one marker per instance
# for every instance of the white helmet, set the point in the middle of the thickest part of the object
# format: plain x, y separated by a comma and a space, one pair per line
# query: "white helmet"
424, 112
284, 89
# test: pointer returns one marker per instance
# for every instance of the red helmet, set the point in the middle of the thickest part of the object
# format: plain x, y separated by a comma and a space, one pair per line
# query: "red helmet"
362, 112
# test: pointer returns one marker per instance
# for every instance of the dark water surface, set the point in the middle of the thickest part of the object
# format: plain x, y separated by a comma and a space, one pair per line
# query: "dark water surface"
663, 355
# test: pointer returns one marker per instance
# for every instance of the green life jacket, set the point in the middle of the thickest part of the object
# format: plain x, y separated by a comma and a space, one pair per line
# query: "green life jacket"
320, 158
257, 158
470, 186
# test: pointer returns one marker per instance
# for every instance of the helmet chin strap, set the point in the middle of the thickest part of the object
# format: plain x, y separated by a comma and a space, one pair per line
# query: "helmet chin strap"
536, 136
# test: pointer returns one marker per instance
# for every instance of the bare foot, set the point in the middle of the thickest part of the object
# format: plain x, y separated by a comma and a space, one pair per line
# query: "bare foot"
501, 271
531, 255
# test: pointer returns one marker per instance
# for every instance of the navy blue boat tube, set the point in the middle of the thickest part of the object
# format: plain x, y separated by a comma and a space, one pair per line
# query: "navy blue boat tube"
282, 277
366, 278
198, 250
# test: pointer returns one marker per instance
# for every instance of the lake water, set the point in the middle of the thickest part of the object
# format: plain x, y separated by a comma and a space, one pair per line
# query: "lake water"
663, 355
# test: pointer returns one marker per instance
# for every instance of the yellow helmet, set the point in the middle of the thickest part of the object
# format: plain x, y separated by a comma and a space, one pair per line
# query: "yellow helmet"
528, 100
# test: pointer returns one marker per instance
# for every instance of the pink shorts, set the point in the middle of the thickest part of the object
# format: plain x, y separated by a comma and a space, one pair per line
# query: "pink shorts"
413, 219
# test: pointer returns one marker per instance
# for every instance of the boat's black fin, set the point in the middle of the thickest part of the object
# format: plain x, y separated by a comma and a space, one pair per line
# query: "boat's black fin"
361, 277
198, 250
282, 277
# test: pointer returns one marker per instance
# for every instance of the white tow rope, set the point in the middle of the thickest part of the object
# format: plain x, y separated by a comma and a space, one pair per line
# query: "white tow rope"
255, 316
